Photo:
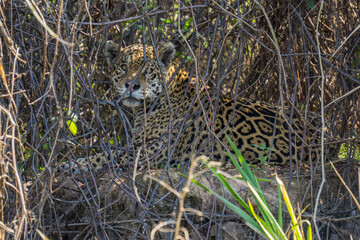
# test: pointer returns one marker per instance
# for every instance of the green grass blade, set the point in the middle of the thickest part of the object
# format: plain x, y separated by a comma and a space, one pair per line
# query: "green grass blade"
264, 226
258, 179
249, 220
280, 219
309, 231
296, 226
245, 171
266, 213
242, 161
228, 187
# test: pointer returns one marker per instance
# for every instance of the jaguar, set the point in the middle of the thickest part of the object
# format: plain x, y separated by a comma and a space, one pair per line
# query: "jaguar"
176, 117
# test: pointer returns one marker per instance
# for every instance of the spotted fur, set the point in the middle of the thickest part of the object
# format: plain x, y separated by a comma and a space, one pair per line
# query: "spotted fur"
180, 116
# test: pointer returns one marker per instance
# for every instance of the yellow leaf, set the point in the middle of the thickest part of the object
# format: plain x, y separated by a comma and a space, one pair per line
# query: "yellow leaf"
72, 127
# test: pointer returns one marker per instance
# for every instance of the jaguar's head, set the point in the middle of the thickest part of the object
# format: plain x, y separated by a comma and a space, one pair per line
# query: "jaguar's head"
137, 79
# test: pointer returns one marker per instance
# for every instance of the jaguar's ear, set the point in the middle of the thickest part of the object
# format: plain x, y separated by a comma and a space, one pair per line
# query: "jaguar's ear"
112, 50
166, 54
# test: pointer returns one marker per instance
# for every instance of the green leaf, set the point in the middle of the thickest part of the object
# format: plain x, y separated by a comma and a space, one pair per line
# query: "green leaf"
310, 4
187, 24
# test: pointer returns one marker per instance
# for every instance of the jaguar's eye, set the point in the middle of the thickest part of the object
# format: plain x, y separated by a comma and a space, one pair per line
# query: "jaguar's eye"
123, 68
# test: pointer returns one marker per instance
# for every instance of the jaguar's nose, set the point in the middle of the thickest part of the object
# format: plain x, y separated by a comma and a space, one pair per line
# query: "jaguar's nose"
132, 85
